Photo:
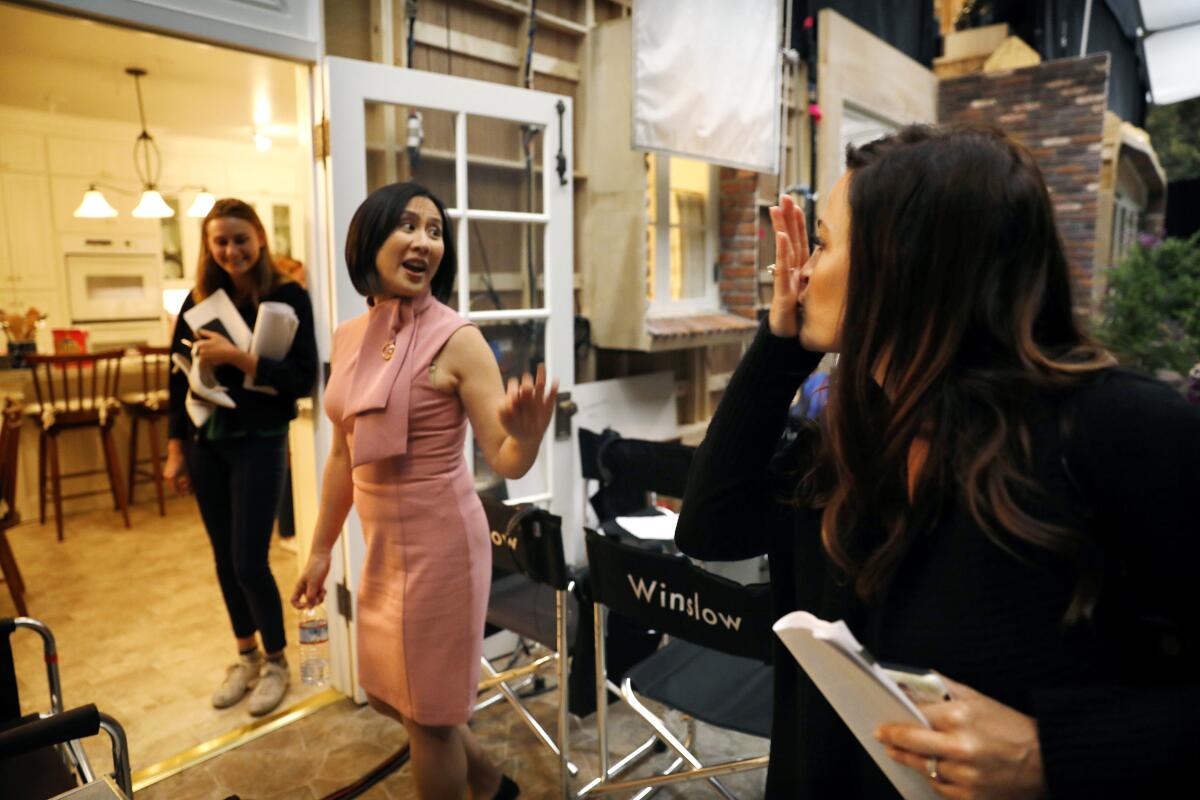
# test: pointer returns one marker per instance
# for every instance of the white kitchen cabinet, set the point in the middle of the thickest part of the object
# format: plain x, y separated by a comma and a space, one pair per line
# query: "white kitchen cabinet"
21, 151
32, 263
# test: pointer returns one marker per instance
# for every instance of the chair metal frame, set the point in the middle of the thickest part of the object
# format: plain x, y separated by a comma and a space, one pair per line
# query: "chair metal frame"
682, 748
519, 521
73, 751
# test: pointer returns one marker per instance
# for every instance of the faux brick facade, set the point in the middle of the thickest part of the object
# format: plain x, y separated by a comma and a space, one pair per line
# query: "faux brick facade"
739, 241
1056, 109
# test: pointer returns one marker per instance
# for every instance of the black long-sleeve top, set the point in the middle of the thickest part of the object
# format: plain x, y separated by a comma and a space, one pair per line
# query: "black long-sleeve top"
292, 376
1116, 700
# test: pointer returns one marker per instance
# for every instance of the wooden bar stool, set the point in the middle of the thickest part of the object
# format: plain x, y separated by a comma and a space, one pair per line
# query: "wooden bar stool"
73, 392
10, 446
149, 406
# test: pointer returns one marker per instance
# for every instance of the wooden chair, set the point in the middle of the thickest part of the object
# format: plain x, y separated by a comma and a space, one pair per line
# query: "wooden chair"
10, 447
74, 392
149, 406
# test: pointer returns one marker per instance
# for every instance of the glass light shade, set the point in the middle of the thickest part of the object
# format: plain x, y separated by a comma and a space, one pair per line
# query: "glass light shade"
95, 206
152, 206
202, 204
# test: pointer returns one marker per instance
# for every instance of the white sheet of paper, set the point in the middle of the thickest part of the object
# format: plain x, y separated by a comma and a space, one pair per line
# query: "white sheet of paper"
857, 688
659, 528
218, 306
274, 331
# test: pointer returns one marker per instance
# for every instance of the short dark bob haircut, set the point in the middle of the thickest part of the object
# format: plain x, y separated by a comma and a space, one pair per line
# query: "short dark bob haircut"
374, 222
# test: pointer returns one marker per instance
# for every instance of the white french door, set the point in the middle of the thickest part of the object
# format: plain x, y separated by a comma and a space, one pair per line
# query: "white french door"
500, 159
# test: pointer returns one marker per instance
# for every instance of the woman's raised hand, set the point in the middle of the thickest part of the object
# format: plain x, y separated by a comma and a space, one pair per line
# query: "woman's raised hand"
528, 406
791, 252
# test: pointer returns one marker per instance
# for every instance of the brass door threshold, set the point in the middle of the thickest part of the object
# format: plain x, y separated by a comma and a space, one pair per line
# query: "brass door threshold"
235, 738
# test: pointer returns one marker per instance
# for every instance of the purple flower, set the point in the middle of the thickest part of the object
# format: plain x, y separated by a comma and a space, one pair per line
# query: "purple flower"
1149, 241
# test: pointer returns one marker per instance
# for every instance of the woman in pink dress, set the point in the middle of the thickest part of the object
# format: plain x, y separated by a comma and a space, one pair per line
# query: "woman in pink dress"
406, 377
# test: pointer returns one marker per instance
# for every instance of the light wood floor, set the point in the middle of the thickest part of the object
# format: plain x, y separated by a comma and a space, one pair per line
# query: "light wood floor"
141, 628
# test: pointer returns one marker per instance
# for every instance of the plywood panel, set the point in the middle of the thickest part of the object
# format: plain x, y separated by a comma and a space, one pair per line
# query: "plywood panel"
857, 68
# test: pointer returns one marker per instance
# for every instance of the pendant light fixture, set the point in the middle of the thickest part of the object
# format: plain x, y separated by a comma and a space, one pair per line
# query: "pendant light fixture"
147, 161
202, 204
94, 205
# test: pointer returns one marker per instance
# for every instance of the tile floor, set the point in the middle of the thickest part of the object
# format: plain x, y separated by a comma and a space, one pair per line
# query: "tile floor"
335, 746
139, 623
142, 633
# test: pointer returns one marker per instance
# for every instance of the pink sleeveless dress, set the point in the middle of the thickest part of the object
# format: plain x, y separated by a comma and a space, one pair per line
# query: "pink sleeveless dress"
425, 582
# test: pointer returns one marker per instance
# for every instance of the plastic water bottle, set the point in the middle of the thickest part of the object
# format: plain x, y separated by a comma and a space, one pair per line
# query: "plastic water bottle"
314, 646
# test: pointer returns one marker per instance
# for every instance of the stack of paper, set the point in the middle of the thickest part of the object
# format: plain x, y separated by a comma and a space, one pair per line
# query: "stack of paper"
860, 691
659, 527
274, 331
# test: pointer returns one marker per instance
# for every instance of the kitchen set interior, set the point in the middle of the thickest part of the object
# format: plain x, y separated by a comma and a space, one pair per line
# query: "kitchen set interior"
114, 144
105, 178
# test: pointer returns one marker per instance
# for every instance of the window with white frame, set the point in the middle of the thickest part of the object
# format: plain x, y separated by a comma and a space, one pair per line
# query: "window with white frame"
1127, 218
680, 254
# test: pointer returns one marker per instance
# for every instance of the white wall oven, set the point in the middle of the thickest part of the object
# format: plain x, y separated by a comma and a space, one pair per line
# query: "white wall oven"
113, 280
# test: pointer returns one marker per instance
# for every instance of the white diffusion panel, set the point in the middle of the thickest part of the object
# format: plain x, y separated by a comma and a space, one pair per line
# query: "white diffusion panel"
706, 80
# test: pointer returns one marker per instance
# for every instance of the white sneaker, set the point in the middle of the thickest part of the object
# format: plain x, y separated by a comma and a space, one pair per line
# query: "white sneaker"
238, 680
272, 686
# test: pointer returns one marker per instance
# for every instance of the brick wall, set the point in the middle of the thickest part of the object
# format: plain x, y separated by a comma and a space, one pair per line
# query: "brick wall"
739, 241
1057, 110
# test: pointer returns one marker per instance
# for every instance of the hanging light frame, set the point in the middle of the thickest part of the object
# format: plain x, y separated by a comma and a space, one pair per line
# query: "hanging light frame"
147, 160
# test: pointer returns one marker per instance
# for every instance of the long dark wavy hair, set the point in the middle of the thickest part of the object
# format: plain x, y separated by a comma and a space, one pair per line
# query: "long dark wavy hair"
266, 277
959, 306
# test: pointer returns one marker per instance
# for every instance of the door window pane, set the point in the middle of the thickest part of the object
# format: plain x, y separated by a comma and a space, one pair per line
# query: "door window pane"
418, 146
507, 265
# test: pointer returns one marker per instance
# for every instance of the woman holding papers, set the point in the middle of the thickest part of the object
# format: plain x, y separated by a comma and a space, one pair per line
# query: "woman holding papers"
228, 429
406, 378
985, 496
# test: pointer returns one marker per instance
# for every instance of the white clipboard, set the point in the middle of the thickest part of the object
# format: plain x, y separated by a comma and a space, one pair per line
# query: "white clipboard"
218, 308
859, 690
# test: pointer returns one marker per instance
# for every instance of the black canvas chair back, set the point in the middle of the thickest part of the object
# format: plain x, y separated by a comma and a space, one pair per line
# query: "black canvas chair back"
528, 540
670, 594
628, 469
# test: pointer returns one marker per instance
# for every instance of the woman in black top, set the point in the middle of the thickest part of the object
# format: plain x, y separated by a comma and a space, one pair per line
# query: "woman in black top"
985, 496
236, 459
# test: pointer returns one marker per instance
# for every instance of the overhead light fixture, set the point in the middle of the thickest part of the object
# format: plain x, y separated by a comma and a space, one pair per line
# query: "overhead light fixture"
152, 206
202, 204
94, 205
147, 161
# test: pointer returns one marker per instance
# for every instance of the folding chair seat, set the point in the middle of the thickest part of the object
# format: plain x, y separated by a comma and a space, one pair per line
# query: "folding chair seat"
728, 691
715, 666
40, 754
532, 596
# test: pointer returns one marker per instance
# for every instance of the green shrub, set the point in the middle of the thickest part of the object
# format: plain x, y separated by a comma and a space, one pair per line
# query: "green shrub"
1151, 311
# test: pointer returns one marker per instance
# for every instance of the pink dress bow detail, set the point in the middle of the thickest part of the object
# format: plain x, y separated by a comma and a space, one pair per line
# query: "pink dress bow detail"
378, 406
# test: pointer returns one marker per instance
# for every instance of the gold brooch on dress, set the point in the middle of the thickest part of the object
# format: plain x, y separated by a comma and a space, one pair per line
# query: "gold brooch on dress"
388, 351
